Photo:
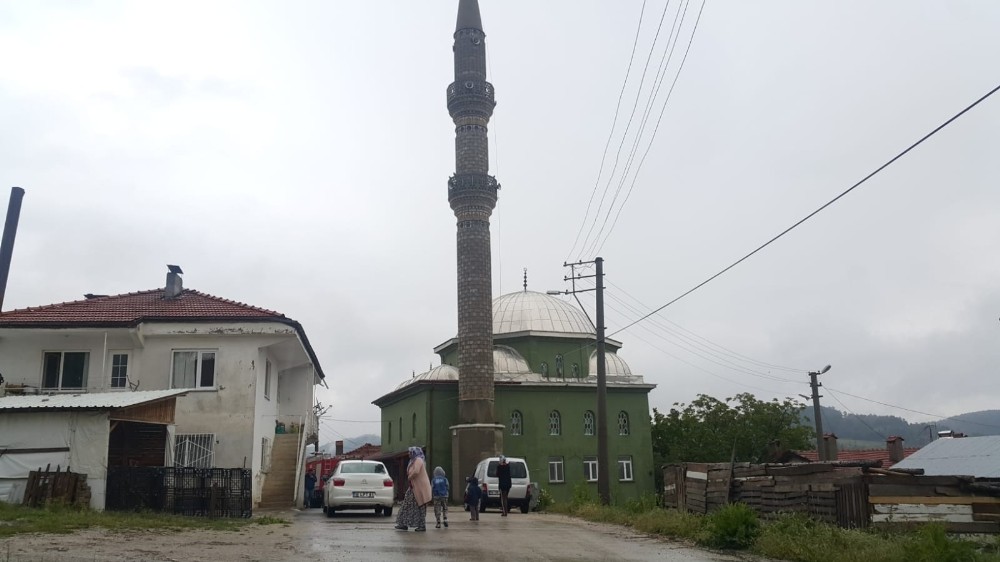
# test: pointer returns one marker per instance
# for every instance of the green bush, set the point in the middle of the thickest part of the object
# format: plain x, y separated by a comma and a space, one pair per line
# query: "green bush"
582, 494
545, 500
641, 504
932, 544
735, 526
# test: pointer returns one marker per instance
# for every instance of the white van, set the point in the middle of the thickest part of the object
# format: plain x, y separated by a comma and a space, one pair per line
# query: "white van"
520, 489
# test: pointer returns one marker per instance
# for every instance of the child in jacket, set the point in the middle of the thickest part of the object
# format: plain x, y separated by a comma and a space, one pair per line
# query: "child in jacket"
440, 491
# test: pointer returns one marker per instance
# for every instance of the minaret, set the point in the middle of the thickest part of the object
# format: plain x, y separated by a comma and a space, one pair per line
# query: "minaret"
472, 193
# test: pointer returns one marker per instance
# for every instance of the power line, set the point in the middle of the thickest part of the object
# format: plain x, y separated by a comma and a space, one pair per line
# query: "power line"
860, 419
611, 133
909, 409
814, 213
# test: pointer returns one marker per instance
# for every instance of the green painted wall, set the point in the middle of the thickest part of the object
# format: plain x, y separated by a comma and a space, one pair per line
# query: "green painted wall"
536, 350
436, 407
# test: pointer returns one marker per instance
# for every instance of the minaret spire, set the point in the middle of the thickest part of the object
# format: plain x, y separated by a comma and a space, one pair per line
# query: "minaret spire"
468, 15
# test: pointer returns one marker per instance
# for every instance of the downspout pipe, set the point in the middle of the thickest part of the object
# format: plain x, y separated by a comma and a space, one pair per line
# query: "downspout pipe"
7, 243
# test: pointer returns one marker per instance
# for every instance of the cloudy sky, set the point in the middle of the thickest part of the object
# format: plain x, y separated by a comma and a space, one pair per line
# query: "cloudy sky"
295, 156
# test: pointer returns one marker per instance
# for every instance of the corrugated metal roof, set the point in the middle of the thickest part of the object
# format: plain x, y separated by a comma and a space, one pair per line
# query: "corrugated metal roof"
964, 456
84, 401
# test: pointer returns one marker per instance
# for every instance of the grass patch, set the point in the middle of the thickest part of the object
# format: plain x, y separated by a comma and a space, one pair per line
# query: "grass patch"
791, 537
16, 519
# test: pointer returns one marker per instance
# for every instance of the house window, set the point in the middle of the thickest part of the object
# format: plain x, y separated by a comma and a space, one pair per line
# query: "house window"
193, 369
556, 473
119, 369
195, 450
576, 370
65, 370
555, 423
625, 469
265, 454
590, 469
516, 423
543, 368
413, 428
588, 423
622, 423
267, 379
560, 371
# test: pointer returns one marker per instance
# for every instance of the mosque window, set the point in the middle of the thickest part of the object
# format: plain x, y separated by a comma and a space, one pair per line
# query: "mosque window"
560, 371
516, 423
543, 368
588, 423
622, 423
400, 428
389, 433
413, 426
555, 423
576, 370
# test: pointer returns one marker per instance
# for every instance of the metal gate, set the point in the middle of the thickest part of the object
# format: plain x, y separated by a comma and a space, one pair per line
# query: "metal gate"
209, 492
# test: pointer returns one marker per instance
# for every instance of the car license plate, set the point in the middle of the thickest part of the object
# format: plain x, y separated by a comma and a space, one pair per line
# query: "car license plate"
363, 495
494, 493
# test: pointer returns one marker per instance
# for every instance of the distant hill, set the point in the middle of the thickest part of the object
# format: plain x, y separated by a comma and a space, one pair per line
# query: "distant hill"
870, 430
351, 443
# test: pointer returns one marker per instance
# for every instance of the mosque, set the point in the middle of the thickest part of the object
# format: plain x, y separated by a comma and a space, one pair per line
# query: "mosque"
520, 377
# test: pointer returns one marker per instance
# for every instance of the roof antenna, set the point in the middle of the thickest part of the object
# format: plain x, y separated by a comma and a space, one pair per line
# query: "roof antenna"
526, 280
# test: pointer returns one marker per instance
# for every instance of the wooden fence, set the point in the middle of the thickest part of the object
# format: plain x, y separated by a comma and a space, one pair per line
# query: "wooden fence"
47, 487
848, 496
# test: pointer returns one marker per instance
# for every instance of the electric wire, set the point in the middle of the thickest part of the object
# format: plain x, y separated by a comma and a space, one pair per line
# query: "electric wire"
938, 416
817, 211
611, 133
860, 419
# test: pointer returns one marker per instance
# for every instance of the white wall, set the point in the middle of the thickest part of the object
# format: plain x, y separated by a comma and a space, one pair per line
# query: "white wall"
85, 433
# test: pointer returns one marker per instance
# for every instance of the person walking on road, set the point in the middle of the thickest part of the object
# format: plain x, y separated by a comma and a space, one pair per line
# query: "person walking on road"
440, 488
504, 483
473, 494
413, 511
310, 486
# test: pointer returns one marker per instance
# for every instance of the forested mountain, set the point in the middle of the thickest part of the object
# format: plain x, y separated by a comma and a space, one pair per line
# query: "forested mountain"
871, 430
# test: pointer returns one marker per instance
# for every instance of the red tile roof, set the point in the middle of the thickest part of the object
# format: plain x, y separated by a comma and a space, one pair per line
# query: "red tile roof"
861, 455
132, 308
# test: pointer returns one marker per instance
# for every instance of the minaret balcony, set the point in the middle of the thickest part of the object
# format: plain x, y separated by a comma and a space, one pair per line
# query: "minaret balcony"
475, 97
460, 184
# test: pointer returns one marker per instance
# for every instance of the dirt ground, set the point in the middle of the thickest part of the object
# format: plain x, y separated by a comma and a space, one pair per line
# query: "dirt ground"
310, 535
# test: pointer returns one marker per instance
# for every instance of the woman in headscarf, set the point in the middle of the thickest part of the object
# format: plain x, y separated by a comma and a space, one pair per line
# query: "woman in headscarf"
413, 511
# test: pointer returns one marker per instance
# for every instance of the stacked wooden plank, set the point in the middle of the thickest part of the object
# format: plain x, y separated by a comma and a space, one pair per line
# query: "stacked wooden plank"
47, 487
951, 500
706, 486
797, 488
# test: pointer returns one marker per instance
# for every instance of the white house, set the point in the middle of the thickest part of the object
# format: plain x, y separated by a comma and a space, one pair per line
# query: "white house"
249, 372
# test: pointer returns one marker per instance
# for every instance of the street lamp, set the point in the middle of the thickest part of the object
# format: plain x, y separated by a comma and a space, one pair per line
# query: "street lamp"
815, 384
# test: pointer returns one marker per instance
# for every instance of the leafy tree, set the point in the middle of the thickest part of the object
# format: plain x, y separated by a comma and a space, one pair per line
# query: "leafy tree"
709, 429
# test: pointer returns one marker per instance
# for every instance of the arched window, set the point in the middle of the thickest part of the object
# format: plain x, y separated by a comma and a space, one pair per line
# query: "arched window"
576, 370
414, 424
400, 428
622, 423
543, 368
560, 371
588, 423
555, 423
516, 423
389, 434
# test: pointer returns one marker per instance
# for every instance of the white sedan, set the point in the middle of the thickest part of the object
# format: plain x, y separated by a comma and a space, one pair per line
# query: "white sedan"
358, 484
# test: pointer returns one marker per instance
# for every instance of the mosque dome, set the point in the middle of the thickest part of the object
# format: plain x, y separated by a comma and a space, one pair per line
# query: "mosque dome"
537, 312
614, 366
439, 373
506, 360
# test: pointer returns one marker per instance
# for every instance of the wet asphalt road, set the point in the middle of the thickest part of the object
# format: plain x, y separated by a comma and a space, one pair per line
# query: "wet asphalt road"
534, 536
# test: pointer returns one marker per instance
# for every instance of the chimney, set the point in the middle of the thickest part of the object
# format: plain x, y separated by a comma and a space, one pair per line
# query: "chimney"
894, 444
175, 285
339, 449
830, 446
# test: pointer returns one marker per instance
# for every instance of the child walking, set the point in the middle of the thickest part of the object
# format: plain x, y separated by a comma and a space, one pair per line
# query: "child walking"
473, 494
440, 490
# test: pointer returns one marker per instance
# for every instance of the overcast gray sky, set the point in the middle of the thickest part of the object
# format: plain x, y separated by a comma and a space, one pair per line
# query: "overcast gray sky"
294, 156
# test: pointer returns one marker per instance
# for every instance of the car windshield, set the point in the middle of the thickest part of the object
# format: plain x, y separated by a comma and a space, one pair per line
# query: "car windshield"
362, 468
517, 469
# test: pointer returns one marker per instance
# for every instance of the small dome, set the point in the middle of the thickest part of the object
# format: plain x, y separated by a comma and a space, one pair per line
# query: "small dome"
527, 310
506, 360
439, 373
614, 366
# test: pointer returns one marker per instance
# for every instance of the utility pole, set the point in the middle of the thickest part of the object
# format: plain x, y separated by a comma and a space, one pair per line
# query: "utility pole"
815, 384
603, 464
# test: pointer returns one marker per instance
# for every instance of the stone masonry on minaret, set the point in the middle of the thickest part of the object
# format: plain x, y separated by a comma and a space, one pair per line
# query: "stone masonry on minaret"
472, 193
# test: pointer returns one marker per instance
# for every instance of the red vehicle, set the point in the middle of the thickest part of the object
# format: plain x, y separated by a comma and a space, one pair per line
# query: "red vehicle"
322, 468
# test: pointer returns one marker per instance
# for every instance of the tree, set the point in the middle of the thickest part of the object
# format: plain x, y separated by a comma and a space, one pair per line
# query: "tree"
711, 430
